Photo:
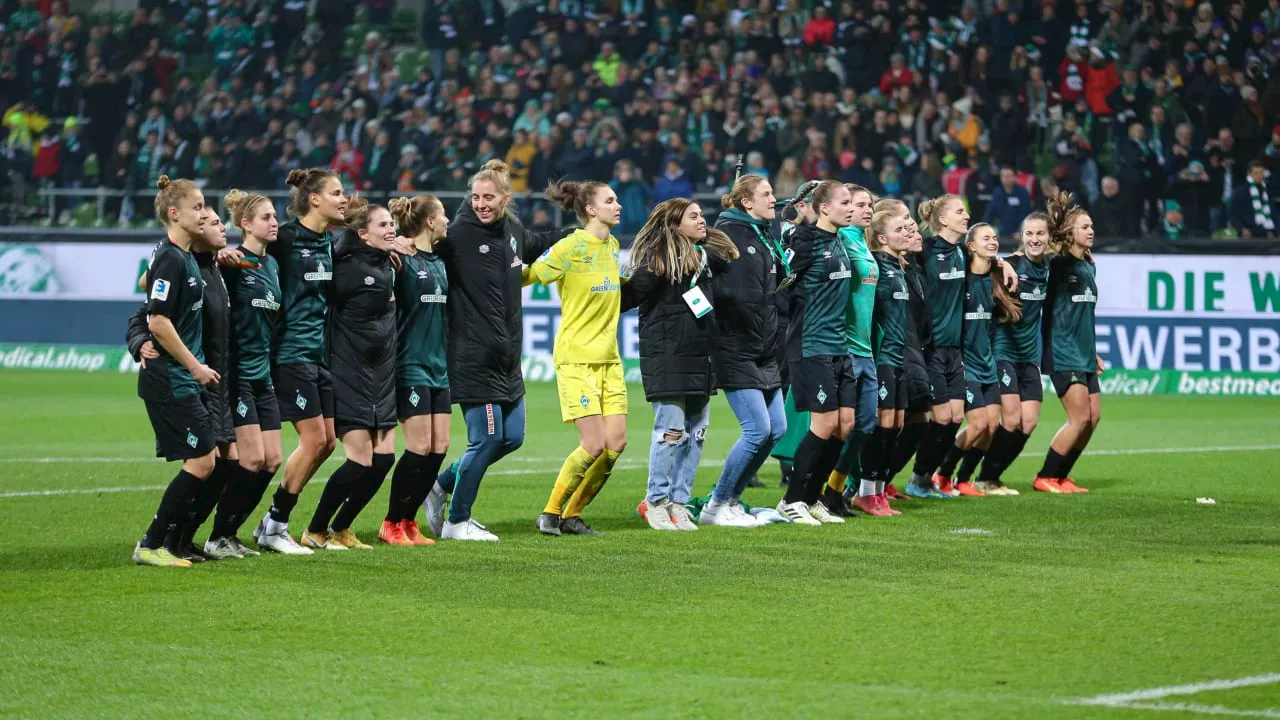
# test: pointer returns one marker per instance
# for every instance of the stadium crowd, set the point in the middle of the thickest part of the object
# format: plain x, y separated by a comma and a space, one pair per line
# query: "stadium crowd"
1150, 112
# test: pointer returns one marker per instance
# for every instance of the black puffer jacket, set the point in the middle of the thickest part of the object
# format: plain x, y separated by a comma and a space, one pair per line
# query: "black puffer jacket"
361, 336
746, 311
676, 348
485, 304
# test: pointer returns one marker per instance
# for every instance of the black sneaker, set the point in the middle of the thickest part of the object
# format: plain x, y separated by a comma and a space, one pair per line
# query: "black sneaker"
549, 524
834, 501
754, 482
188, 552
577, 526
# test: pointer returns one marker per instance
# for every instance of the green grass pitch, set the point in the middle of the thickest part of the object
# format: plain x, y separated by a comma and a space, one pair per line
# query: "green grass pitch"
1132, 587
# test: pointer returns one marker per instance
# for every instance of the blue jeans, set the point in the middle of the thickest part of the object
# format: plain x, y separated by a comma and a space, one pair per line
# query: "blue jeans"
494, 430
674, 462
764, 422
864, 414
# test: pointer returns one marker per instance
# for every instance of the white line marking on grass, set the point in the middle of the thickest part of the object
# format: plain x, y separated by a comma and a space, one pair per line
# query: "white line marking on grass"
1175, 451
1199, 709
1135, 700
971, 531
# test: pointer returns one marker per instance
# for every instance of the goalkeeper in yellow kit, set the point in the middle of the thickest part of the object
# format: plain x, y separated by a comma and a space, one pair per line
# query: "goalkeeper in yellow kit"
593, 392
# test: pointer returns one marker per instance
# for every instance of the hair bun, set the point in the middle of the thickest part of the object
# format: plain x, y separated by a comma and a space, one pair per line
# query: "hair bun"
163, 182
297, 177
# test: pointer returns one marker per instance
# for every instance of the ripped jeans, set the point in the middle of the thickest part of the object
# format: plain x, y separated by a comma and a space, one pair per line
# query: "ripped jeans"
679, 430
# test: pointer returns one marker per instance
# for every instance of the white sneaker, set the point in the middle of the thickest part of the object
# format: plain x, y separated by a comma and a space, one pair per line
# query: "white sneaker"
744, 518
467, 530
823, 515
716, 513
796, 512
433, 507
221, 549
680, 517
282, 543
659, 517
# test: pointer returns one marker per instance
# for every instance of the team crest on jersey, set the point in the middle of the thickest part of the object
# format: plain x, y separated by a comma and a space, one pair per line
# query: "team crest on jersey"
584, 400
484, 249
968, 396
884, 391
301, 402
822, 395
1008, 381
192, 440
751, 249
368, 280
414, 398
513, 243
242, 410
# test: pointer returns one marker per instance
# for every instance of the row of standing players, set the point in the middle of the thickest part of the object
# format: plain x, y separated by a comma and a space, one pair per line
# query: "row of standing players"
345, 337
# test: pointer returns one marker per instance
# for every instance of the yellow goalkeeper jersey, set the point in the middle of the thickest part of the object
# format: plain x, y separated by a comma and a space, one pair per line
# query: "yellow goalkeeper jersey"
585, 272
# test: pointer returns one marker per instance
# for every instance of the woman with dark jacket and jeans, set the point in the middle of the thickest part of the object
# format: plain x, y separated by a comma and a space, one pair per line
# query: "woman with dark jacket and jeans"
361, 337
483, 254
746, 363
673, 261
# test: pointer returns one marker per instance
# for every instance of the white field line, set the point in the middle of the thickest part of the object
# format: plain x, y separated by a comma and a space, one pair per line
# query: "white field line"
58, 492
1199, 709
1139, 699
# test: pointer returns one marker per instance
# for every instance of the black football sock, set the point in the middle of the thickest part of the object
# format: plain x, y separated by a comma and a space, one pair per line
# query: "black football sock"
892, 437
261, 483
874, 450
933, 448
404, 486
821, 470
426, 481
808, 455
211, 493
1072, 456
341, 483
232, 503
969, 463
904, 448
948, 467
363, 492
998, 455
173, 508
1053, 463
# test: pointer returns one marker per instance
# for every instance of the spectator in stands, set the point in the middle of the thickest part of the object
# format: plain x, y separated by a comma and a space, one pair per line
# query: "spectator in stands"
1252, 206
1010, 203
1110, 216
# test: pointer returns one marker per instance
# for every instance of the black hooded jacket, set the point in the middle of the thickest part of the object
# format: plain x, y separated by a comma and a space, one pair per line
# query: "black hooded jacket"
217, 320
746, 310
676, 348
361, 335
485, 304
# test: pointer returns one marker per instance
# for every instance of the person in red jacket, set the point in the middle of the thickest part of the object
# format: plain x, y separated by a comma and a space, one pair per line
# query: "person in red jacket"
898, 75
821, 30
1100, 80
1072, 73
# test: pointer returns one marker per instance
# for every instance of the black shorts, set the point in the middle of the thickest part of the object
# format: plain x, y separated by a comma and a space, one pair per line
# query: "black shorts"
215, 401
414, 400
946, 375
979, 395
892, 392
824, 384
1064, 380
1021, 379
915, 379
256, 404
303, 391
182, 428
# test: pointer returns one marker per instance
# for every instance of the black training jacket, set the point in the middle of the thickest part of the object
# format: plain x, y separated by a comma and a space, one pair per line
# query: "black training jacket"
676, 348
137, 333
746, 310
919, 321
217, 317
486, 322
361, 335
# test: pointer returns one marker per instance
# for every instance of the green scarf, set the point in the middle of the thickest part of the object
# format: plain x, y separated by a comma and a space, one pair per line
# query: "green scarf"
765, 234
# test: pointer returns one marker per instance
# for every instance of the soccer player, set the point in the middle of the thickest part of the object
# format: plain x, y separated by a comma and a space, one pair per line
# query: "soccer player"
984, 290
170, 384
361, 335
422, 370
254, 289
1070, 341
822, 377
300, 374
1018, 350
857, 335
888, 238
484, 253
593, 389
747, 344
798, 211
673, 261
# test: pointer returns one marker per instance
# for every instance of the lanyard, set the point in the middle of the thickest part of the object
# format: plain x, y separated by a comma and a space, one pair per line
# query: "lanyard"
775, 249
702, 265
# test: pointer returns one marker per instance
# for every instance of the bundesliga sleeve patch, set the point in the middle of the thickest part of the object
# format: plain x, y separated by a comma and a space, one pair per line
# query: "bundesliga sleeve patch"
160, 290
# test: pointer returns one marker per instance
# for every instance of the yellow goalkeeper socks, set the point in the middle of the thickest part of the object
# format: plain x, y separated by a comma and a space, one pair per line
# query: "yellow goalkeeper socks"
569, 480
597, 476
836, 481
